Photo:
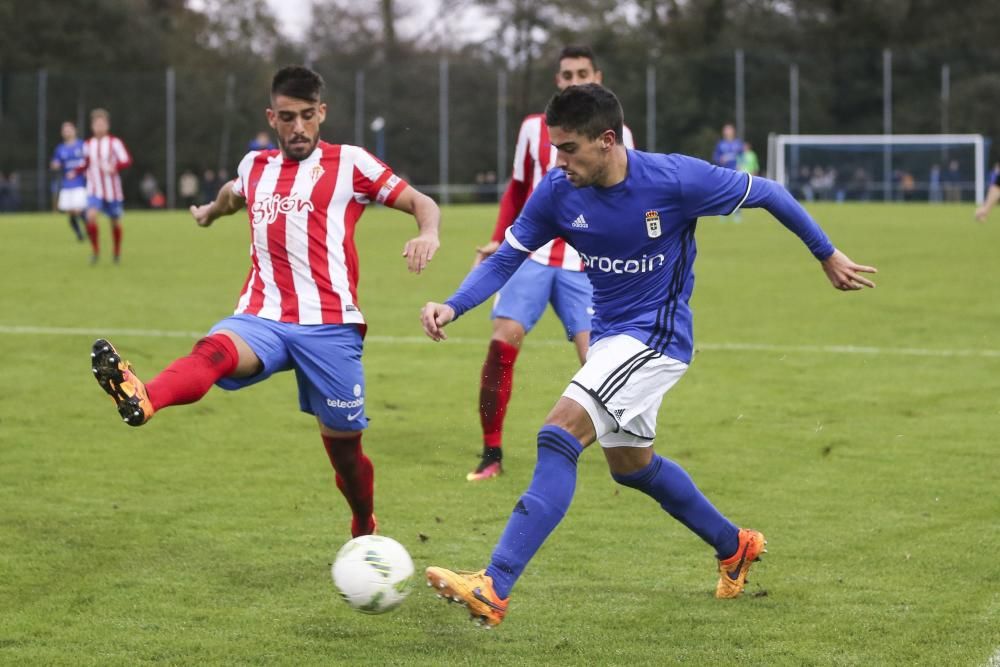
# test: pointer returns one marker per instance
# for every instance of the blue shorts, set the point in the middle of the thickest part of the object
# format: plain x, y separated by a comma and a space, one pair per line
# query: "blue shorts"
110, 208
533, 286
326, 359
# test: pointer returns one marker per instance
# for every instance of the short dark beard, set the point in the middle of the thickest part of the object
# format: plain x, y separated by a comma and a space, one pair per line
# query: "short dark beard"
286, 150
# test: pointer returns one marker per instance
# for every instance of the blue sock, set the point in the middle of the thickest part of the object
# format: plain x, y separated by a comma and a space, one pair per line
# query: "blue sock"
539, 510
668, 483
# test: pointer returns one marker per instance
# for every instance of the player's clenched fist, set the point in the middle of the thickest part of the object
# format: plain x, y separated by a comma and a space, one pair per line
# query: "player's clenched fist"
434, 317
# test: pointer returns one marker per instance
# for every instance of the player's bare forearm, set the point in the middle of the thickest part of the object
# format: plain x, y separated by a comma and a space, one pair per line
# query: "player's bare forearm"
420, 250
226, 203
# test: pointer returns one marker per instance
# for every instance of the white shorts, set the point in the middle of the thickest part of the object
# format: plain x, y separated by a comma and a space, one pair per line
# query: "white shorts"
73, 199
621, 387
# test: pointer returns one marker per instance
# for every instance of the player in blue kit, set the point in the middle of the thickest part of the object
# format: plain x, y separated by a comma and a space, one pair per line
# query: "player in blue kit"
632, 215
70, 159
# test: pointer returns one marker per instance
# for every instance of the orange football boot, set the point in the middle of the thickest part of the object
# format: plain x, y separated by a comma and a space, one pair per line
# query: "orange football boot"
474, 590
117, 378
733, 571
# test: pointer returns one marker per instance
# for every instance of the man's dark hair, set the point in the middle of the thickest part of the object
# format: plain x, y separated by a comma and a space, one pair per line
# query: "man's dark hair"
579, 51
589, 109
296, 81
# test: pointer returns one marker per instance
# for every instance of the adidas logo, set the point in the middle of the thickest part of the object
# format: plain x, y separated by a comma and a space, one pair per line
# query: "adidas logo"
520, 508
580, 222
619, 413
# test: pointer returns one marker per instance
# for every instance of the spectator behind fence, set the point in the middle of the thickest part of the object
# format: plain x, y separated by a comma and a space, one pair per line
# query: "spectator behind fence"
210, 185
148, 187
951, 182
934, 184
10, 192
187, 188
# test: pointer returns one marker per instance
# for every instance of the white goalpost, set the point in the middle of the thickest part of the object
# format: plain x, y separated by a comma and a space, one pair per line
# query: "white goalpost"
880, 167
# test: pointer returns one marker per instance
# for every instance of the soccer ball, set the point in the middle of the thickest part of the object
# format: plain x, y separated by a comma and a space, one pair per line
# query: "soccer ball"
372, 573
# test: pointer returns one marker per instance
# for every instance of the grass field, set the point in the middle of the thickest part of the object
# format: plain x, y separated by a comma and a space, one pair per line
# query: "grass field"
858, 431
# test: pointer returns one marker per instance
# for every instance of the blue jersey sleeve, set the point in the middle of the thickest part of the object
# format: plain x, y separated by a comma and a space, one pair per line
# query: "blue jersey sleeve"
535, 226
706, 189
484, 280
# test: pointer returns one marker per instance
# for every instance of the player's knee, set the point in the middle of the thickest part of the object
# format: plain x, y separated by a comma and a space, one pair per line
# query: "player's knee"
625, 462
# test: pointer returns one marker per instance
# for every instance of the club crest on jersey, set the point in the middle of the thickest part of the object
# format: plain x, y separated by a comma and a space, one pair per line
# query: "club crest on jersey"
653, 224
316, 173
265, 211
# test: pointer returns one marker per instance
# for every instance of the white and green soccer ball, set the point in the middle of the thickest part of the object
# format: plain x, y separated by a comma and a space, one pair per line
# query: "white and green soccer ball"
372, 573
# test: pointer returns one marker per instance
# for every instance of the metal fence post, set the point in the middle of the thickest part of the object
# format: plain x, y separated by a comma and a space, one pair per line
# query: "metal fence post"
501, 129
443, 132
41, 164
171, 176
887, 121
650, 108
359, 108
740, 93
227, 124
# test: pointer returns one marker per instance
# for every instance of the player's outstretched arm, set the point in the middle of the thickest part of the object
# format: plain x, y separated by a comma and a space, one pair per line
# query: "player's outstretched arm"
992, 197
420, 250
226, 203
844, 274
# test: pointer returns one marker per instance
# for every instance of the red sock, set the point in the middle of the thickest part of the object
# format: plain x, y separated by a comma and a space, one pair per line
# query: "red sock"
189, 378
495, 387
355, 479
92, 235
116, 234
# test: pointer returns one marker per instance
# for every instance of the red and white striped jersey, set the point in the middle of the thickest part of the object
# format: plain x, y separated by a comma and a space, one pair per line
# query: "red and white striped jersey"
533, 157
105, 156
304, 264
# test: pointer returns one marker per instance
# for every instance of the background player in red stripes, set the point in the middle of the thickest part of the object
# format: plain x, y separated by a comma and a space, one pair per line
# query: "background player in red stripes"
299, 308
555, 276
106, 157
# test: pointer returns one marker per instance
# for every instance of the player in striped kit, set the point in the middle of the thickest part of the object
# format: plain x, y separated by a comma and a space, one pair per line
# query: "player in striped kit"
106, 157
299, 306
555, 276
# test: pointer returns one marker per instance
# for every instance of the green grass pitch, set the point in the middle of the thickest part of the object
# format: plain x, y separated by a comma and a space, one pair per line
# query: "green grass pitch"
859, 431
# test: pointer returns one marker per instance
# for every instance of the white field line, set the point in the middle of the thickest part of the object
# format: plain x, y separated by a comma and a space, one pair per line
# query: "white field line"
994, 660
30, 330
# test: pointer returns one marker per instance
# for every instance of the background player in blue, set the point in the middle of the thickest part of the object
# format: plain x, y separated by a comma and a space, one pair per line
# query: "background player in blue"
69, 159
728, 149
641, 210
728, 153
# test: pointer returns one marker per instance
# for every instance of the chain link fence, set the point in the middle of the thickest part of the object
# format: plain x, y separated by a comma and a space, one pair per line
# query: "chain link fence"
449, 125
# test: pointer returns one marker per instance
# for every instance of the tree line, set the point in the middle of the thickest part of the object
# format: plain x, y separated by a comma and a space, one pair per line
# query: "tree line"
113, 53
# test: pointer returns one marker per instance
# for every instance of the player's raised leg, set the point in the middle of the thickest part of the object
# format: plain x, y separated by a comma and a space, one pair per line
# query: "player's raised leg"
186, 380
567, 431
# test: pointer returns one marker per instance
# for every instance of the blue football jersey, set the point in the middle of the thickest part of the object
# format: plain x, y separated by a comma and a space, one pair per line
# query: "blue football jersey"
637, 242
727, 153
71, 157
